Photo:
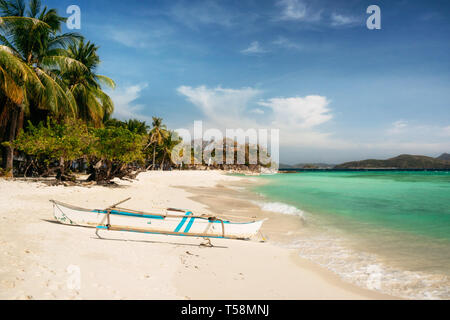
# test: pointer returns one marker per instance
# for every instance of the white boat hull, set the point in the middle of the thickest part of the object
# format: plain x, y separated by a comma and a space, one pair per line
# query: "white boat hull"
171, 222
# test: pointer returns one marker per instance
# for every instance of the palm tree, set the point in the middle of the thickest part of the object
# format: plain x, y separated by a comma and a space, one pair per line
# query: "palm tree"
170, 141
133, 125
29, 53
157, 135
114, 123
136, 126
94, 105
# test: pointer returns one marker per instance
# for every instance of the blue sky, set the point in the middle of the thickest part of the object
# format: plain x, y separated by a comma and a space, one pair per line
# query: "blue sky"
336, 90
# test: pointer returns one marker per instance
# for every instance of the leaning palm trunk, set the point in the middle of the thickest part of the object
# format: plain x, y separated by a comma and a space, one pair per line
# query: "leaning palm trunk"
162, 162
61, 171
9, 159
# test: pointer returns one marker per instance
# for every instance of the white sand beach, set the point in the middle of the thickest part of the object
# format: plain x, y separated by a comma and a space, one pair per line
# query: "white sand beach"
38, 256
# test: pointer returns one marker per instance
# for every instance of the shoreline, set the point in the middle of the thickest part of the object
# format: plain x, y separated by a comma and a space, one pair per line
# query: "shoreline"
37, 254
274, 229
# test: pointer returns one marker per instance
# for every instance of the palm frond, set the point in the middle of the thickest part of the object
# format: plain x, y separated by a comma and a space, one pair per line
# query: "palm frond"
10, 87
12, 8
4, 41
63, 40
106, 101
65, 64
19, 20
54, 97
106, 81
35, 8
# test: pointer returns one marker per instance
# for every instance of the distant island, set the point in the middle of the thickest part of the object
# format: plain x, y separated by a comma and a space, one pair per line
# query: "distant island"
307, 166
444, 156
404, 161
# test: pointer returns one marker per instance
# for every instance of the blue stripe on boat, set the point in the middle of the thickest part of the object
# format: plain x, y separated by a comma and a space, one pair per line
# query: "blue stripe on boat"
188, 227
183, 221
129, 214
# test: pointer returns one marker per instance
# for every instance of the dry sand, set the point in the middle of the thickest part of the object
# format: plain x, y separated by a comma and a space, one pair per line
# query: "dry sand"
40, 259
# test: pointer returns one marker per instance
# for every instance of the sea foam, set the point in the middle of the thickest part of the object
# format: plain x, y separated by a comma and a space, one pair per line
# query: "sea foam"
279, 207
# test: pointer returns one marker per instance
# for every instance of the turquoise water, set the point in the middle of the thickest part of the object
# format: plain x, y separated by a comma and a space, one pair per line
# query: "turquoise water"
399, 219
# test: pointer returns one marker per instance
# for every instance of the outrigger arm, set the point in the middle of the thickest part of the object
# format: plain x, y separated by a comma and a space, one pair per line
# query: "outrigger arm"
108, 216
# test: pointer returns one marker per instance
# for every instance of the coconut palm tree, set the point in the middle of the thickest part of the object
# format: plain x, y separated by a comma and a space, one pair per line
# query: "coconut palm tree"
133, 125
170, 141
136, 126
157, 135
29, 53
85, 84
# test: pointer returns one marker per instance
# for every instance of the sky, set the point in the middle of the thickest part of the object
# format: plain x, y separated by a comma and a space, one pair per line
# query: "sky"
336, 90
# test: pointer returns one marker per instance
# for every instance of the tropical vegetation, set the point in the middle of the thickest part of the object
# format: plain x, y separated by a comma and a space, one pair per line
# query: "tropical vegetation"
55, 112
55, 115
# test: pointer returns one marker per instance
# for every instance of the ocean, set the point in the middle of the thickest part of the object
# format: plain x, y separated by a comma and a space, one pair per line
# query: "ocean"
387, 231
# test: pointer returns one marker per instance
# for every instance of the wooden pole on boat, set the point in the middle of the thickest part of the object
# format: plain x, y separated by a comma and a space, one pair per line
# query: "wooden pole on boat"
115, 205
108, 218
143, 230
223, 228
108, 212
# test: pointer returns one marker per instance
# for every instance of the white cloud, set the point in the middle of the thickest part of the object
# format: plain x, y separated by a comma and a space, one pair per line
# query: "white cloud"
148, 35
297, 118
299, 113
398, 127
338, 20
205, 13
257, 111
446, 131
301, 122
220, 105
254, 48
124, 102
297, 10
315, 46
413, 137
129, 39
309, 12
286, 43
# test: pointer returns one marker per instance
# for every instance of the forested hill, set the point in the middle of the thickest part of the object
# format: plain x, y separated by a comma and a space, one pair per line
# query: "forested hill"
400, 162
444, 156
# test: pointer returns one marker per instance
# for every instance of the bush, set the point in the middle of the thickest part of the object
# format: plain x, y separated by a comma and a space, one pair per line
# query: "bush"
54, 142
113, 149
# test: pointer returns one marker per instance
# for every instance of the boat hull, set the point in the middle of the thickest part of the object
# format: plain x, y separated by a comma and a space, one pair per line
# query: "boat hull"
171, 223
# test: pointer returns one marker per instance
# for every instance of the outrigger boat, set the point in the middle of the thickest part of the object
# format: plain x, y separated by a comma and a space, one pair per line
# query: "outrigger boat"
177, 222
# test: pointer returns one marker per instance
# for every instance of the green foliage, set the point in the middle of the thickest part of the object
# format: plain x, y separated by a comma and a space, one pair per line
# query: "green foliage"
118, 144
73, 140
46, 72
70, 140
93, 103
114, 123
134, 125
5, 173
139, 127
30, 60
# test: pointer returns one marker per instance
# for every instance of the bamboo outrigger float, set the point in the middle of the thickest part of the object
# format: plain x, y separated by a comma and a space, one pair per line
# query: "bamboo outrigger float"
176, 222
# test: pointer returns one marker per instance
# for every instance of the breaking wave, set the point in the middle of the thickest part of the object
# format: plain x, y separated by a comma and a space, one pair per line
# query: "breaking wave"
279, 207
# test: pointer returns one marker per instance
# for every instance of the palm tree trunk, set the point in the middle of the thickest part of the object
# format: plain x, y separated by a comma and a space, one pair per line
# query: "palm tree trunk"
162, 162
108, 170
154, 157
9, 157
60, 175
